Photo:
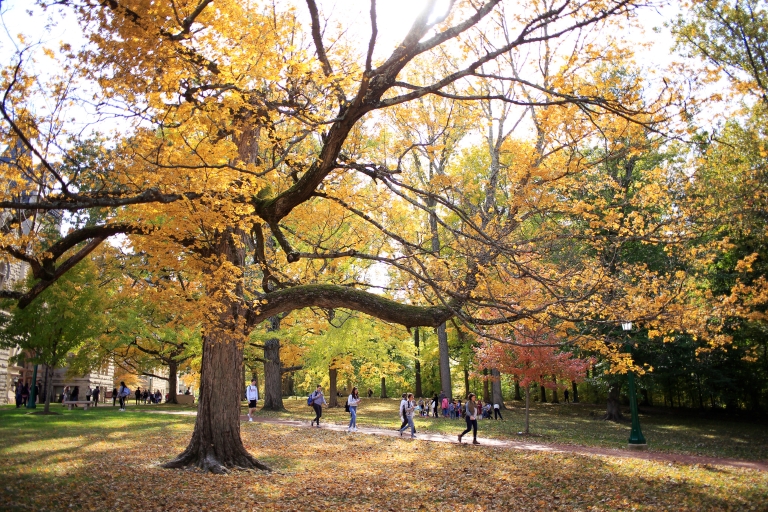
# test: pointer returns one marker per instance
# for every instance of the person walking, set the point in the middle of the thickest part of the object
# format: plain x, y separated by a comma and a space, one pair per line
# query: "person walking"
24, 394
497, 412
88, 394
353, 401
409, 408
95, 395
75, 396
252, 395
318, 400
122, 394
137, 395
566, 396
403, 403
471, 410
18, 394
114, 396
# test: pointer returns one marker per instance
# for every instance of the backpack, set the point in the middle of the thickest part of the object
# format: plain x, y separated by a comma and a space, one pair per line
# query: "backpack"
126, 392
346, 406
310, 399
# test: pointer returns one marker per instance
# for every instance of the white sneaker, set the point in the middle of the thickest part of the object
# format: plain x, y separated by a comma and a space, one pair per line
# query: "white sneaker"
250, 419
355, 429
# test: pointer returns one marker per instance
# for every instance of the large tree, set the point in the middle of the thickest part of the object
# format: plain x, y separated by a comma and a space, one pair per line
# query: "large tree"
251, 155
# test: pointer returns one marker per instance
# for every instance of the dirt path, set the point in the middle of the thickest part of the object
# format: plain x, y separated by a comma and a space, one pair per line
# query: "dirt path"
516, 445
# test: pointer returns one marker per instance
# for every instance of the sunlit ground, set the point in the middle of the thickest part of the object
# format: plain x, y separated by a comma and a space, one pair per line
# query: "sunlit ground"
105, 460
581, 424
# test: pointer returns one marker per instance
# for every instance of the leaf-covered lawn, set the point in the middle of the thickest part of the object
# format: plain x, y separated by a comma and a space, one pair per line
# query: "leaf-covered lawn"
578, 424
106, 460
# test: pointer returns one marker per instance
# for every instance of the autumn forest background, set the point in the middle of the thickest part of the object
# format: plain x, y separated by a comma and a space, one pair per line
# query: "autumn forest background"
466, 196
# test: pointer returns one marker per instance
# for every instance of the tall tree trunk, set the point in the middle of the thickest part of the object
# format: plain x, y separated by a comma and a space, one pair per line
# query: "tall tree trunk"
287, 388
173, 383
517, 390
543, 393
445, 362
555, 399
486, 386
384, 387
527, 405
332, 374
48, 390
216, 444
273, 393
496, 388
575, 392
466, 382
419, 392
613, 407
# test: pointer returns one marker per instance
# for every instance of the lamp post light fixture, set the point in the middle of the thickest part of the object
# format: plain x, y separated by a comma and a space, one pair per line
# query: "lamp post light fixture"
636, 439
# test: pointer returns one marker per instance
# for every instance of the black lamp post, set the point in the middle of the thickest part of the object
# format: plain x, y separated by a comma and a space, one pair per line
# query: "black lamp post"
636, 439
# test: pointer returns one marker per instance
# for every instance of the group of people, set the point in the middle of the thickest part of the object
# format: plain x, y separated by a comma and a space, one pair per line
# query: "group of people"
23, 390
72, 394
147, 397
471, 411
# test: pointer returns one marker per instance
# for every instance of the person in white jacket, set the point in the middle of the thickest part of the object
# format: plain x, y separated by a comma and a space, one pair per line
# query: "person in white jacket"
353, 401
252, 395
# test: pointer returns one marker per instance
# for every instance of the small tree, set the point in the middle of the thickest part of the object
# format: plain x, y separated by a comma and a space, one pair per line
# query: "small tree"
533, 357
57, 322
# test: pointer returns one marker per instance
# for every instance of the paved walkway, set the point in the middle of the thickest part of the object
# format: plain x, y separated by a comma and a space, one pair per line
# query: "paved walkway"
514, 445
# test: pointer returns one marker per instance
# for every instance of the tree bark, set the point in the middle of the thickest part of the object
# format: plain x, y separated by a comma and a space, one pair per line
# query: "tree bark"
543, 393
527, 405
273, 392
613, 407
216, 445
486, 386
173, 383
555, 399
575, 392
48, 390
384, 387
496, 388
445, 363
466, 382
332, 375
419, 392
517, 390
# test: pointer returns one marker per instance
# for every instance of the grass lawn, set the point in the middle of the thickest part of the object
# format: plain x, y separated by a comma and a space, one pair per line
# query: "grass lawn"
106, 460
578, 424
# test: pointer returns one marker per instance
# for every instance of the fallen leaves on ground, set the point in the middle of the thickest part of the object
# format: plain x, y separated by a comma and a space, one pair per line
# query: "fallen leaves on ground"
113, 464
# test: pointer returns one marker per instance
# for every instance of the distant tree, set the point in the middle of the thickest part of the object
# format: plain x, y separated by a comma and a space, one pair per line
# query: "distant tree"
58, 321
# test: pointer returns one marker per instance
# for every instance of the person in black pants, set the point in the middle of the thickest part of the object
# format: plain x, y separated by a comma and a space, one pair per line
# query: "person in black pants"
497, 412
471, 410
318, 400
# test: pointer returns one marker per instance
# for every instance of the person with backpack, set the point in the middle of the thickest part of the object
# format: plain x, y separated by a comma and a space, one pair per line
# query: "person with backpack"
252, 395
353, 400
469, 416
410, 406
122, 394
403, 404
318, 400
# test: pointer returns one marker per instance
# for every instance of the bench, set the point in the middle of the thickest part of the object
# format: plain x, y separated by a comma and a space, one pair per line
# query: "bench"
185, 399
71, 403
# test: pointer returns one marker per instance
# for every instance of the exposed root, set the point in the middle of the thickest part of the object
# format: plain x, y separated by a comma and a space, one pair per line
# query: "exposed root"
211, 464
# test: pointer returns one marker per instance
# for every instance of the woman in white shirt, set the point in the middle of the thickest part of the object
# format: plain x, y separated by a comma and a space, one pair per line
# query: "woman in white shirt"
353, 401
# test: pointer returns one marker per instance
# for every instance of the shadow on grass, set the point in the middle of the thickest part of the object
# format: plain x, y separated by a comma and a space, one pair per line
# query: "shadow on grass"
326, 470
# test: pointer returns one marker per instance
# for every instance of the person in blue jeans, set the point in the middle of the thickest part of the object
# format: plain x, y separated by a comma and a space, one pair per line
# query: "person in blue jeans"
353, 401
410, 406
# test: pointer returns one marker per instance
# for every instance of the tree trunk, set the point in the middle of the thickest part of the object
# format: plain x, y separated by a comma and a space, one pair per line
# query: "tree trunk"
273, 392
613, 408
527, 405
332, 374
419, 392
445, 363
543, 393
496, 388
216, 444
517, 391
173, 383
486, 386
575, 392
48, 390
555, 399
466, 382
288, 385
384, 387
